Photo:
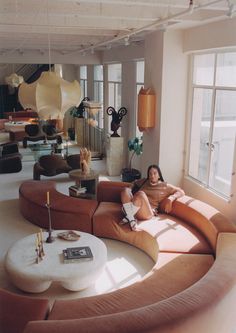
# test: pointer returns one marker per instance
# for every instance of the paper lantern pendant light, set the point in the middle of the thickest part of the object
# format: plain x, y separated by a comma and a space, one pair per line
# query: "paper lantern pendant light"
50, 96
146, 109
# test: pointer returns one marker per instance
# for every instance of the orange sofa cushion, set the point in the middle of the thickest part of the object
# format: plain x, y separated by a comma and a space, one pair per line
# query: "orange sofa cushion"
172, 234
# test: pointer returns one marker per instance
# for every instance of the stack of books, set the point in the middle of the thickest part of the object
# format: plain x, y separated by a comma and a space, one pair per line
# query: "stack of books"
78, 190
76, 254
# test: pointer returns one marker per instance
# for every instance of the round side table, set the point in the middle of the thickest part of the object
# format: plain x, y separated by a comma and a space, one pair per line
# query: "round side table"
87, 182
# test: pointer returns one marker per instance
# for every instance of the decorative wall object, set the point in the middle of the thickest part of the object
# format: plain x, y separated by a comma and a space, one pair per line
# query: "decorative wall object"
117, 116
50, 96
146, 109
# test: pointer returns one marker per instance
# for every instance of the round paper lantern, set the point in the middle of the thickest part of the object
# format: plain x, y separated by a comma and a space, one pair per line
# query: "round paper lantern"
50, 96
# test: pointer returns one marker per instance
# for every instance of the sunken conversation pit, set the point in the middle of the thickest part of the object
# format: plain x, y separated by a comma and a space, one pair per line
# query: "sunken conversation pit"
191, 287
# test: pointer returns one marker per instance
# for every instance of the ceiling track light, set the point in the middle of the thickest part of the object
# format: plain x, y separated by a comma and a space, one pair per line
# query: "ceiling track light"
161, 23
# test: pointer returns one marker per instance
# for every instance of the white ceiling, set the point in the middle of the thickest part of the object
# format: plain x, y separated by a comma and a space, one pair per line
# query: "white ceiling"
71, 26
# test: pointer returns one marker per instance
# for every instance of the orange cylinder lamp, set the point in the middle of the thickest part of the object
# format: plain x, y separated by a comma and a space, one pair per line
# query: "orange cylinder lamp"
146, 109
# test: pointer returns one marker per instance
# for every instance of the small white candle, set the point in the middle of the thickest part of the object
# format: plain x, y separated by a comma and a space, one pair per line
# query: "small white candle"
41, 235
48, 200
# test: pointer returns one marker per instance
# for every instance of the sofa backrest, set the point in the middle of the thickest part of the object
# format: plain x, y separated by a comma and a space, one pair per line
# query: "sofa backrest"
110, 191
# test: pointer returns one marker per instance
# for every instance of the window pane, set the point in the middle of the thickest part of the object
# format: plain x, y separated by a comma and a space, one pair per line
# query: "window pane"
200, 134
111, 94
118, 96
98, 91
223, 141
226, 69
83, 72
203, 69
114, 72
140, 71
98, 72
83, 85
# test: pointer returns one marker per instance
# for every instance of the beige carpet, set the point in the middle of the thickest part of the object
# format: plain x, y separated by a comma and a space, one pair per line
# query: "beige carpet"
125, 264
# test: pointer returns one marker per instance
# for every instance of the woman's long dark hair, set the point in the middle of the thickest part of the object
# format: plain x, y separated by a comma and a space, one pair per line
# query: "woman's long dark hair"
155, 166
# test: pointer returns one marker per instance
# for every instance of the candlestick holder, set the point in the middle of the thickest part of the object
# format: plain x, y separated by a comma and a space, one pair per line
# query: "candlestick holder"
50, 239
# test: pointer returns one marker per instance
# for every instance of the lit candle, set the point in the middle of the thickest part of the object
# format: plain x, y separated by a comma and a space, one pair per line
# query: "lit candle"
48, 201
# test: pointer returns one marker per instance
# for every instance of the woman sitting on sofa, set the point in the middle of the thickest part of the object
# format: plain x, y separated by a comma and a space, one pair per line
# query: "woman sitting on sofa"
142, 200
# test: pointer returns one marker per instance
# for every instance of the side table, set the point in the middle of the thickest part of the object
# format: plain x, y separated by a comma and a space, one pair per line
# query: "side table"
89, 181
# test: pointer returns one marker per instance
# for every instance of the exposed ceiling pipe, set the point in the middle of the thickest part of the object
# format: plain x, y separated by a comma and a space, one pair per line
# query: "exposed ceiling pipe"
191, 8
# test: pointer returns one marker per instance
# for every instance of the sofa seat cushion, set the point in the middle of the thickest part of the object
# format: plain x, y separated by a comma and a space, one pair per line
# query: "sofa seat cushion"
170, 233
173, 273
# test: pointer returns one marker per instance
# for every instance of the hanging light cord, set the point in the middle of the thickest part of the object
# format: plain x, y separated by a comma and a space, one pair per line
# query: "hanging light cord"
49, 41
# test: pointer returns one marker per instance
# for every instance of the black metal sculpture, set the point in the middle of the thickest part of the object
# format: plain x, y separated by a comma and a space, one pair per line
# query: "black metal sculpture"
116, 119
79, 110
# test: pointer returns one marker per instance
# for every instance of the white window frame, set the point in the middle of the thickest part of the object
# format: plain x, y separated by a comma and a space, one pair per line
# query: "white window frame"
98, 90
214, 89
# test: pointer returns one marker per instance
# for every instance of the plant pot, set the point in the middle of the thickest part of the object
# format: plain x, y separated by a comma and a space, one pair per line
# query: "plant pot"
129, 175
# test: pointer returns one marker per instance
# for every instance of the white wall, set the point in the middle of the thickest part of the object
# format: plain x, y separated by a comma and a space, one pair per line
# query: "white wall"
35, 57
215, 35
123, 54
70, 72
153, 79
128, 98
173, 107
166, 74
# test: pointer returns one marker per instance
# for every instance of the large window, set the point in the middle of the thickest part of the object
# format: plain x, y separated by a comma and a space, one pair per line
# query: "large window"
114, 85
98, 92
83, 80
213, 124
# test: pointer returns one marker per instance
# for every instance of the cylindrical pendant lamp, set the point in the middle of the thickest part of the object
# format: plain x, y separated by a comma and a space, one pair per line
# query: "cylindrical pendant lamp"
146, 109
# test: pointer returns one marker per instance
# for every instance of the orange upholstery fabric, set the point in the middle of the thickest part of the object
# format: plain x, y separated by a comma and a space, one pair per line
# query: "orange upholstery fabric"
172, 274
191, 288
16, 311
66, 212
170, 233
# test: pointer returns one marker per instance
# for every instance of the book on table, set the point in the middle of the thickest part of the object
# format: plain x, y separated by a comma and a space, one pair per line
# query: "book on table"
78, 190
76, 254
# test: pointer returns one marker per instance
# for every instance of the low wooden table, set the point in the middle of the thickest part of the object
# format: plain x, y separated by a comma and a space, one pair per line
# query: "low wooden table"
27, 275
89, 181
16, 134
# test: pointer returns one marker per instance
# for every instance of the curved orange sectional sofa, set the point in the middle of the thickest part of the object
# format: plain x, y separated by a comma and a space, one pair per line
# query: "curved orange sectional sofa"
191, 287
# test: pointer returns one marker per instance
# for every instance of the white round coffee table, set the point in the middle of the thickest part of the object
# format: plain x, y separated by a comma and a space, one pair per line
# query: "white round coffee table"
27, 275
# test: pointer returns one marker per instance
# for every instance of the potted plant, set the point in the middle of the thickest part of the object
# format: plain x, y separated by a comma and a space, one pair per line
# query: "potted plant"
129, 174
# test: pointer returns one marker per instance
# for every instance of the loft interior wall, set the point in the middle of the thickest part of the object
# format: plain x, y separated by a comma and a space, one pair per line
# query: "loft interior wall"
124, 53
215, 35
212, 36
153, 79
173, 107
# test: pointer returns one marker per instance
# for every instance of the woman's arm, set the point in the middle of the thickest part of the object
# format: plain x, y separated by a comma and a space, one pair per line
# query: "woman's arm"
175, 193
